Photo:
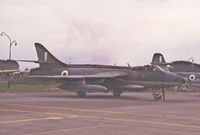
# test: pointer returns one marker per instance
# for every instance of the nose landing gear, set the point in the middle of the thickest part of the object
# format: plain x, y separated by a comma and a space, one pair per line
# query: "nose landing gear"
159, 94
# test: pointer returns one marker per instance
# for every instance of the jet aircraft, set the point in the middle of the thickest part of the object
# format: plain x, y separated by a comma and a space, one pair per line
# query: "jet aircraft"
188, 70
7, 68
82, 78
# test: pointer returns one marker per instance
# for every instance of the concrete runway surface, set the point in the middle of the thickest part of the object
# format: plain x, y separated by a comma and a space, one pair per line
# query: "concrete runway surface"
60, 113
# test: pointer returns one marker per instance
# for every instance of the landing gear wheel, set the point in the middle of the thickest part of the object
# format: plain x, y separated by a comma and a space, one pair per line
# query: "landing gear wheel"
81, 94
163, 94
159, 94
117, 93
157, 97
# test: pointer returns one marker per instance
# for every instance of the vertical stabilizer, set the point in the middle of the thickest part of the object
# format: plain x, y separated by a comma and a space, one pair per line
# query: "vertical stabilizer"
45, 58
158, 58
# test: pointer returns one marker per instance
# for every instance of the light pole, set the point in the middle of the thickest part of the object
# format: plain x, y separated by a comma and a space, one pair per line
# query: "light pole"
11, 43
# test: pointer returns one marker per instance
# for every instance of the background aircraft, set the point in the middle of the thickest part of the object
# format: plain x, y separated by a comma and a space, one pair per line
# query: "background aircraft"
188, 70
91, 78
7, 68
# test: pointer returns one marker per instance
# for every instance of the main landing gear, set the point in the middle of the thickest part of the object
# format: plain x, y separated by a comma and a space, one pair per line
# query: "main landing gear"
10, 79
159, 94
117, 93
9, 83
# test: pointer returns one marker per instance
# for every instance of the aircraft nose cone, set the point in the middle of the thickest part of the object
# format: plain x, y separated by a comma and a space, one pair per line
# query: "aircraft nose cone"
180, 79
175, 78
183, 80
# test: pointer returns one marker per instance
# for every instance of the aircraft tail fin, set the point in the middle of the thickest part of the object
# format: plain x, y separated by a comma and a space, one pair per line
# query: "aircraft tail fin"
158, 59
45, 58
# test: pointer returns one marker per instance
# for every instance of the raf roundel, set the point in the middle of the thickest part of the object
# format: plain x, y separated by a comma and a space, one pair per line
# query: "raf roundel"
65, 73
192, 77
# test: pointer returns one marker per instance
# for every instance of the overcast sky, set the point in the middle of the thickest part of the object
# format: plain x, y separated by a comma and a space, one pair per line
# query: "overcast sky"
102, 31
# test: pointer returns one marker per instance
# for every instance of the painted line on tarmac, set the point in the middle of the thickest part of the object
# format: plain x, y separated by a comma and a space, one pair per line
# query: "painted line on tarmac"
14, 110
108, 112
93, 117
30, 120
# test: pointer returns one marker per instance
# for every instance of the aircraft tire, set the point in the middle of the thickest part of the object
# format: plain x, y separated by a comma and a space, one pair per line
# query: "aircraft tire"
117, 93
81, 94
157, 97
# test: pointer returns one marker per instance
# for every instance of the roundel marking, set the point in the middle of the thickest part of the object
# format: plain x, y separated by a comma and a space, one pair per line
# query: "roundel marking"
192, 77
65, 73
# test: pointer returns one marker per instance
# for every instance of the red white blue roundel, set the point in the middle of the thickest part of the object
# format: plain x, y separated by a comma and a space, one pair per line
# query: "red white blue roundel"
192, 77
65, 73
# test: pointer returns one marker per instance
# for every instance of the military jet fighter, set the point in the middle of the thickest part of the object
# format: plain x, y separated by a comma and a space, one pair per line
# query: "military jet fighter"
188, 70
7, 68
84, 78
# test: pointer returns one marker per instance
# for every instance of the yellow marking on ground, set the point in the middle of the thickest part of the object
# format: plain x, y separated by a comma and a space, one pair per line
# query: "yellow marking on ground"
54, 118
98, 118
73, 116
14, 110
155, 123
29, 120
141, 121
108, 112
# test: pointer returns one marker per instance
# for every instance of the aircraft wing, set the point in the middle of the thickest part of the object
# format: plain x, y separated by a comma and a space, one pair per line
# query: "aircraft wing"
157, 84
102, 75
150, 84
188, 73
9, 71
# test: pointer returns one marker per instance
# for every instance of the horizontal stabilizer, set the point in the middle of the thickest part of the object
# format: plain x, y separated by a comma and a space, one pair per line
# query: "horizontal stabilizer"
33, 61
9, 71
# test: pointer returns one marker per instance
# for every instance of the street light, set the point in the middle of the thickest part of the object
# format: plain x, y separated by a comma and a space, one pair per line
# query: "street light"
11, 43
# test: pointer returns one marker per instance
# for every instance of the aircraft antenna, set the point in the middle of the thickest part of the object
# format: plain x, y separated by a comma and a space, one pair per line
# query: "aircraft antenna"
129, 65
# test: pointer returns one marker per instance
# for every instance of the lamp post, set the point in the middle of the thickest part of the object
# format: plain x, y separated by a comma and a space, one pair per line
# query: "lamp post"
10, 43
